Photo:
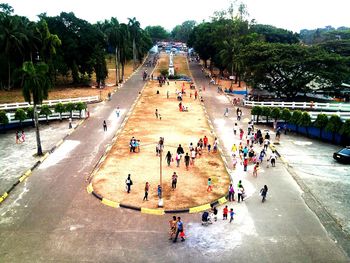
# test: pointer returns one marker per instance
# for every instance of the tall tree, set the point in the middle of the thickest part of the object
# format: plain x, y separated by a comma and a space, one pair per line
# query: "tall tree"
134, 26
36, 84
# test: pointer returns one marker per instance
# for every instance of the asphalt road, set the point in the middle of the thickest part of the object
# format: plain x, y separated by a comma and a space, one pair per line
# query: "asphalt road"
52, 218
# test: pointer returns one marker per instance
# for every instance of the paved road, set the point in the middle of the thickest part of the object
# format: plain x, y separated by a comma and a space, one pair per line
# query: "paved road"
52, 218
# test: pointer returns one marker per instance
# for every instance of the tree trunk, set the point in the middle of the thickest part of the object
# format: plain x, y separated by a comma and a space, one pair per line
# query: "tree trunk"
37, 132
116, 67
134, 53
236, 78
239, 81
121, 78
9, 76
123, 66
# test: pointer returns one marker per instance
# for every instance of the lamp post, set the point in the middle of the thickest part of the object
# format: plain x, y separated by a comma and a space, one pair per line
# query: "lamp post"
160, 195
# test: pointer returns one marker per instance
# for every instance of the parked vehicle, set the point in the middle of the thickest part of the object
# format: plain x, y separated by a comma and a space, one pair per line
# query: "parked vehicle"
342, 155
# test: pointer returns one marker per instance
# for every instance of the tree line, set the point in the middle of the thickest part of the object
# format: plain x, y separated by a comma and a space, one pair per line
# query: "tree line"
72, 48
271, 58
332, 124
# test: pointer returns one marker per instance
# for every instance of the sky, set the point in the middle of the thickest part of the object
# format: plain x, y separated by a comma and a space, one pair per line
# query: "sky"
289, 14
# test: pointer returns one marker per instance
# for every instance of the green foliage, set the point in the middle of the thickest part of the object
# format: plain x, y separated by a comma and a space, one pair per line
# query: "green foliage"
321, 121
157, 33
183, 31
20, 115
266, 111
80, 106
3, 117
305, 119
70, 107
30, 113
334, 124
45, 110
60, 108
275, 35
345, 129
296, 116
286, 114
275, 113
256, 110
164, 72
36, 82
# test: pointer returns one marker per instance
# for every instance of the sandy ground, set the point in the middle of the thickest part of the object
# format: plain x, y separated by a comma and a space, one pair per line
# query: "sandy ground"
177, 128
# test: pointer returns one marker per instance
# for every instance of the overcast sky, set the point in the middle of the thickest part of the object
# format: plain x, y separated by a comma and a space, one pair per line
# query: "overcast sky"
289, 14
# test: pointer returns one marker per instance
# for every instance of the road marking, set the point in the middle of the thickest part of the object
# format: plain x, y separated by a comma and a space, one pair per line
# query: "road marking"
109, 203
200, 208
22, 178
89, 188
222, 200
158, 212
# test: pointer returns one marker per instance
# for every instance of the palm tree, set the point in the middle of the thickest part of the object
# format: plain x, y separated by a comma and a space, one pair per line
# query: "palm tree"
114, 38
134, 26
36, 84
12, 39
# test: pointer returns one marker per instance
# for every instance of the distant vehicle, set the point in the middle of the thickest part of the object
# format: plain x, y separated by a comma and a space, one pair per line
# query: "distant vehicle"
342, 155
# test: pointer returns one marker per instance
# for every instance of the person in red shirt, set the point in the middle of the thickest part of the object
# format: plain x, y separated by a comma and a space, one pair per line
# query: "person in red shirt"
225, 212
245, 163
205, 141
195, 95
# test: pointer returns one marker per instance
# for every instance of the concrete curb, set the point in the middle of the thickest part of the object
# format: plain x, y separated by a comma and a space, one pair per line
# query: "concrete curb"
28, 173
154, 211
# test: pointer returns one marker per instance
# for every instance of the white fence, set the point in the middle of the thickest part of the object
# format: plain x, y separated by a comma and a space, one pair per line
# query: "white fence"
301, 105
18, 105
53, 116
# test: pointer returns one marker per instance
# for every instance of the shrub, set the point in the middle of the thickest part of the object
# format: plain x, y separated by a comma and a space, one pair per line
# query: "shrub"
266, 111
286, 114
256, 110
321, 122
20, 115
45, 110
334, 124
60, 108
70, 107
80, 106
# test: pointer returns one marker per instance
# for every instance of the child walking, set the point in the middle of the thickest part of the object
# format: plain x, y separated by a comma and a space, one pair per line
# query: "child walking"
231, 215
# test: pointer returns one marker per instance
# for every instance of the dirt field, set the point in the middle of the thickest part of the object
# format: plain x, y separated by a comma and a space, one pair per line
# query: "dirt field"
70, 92
163, 63
177, 128
180, 65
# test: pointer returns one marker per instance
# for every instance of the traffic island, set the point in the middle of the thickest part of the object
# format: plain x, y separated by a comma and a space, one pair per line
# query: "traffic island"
176, 127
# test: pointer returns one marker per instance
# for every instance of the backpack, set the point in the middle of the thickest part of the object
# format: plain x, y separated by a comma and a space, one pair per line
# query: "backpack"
130, 182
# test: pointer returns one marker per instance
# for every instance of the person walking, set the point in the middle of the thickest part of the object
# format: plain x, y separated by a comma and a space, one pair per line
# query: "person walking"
117, 112
231, 215
23, 136
17, 137
240, 191
104, 125
224, 213
205, 141
245, 164
256, 168
180, 150
173, 181
210, 187
159, 191
146, 191
168, 158
193, 156
187, 160
128, 183
179, 229
172, 223
226, 112
231, 193
235, 127
156, 113
273, 158
215, 145
177, 158
215, 212
263, 193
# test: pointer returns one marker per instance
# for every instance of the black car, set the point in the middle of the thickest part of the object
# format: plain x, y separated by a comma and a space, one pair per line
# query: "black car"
343, 155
